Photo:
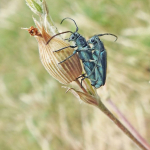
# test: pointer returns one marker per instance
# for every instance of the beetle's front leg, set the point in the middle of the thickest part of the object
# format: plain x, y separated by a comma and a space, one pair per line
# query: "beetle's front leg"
64, 48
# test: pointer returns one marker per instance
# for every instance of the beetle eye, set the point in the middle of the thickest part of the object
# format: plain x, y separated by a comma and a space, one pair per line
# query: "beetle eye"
92, 40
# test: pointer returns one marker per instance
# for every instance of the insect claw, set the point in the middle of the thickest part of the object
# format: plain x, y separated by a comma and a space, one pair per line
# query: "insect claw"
60, 62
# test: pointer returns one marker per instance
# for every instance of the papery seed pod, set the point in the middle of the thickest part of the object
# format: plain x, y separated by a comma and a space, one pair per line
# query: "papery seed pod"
65, 72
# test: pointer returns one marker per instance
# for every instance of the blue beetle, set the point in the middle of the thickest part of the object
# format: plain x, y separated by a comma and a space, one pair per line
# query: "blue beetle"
84, 52
99, 56
94, 59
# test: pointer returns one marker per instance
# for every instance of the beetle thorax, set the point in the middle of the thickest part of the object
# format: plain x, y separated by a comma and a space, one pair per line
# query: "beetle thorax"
81, 42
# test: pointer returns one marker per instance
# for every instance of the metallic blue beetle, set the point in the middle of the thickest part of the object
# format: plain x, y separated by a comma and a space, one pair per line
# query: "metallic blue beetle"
99, 56
84, 52
94, 59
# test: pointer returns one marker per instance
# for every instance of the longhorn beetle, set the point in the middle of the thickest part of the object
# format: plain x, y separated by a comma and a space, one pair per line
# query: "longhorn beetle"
99, 55
84, 52
93, 66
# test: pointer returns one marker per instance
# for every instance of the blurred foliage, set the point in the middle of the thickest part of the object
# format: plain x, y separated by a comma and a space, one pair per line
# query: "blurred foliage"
35, 112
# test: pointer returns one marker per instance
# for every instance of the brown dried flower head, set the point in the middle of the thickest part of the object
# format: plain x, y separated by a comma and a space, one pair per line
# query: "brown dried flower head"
65, 72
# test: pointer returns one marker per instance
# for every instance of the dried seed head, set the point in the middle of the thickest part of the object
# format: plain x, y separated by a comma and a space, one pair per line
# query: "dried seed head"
65, 72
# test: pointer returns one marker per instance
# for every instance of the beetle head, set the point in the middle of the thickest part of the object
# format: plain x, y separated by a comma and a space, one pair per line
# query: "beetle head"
92, 40
74, 36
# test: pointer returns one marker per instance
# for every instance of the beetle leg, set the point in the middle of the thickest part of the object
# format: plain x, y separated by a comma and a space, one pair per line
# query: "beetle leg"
99, 81
83, 75
90, 79
90, 75
68, 57
64, 48
86, 49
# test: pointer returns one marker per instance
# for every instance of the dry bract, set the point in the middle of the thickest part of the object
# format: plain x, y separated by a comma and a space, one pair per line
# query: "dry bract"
86, 97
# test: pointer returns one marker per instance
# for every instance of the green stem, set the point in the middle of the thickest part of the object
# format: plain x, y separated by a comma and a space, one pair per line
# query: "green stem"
120, 125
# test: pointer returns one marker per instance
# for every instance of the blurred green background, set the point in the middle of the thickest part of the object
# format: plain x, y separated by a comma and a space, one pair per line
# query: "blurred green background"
35, 112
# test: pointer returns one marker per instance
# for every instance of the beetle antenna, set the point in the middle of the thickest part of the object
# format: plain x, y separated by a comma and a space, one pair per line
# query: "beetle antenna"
57, 34
73, 21
108, 34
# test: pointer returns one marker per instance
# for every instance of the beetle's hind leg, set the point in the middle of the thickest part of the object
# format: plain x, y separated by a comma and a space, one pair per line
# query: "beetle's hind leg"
95, 81
83, 75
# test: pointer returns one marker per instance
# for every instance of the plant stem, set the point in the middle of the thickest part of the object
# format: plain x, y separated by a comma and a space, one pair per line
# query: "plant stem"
132, 129
120, 125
